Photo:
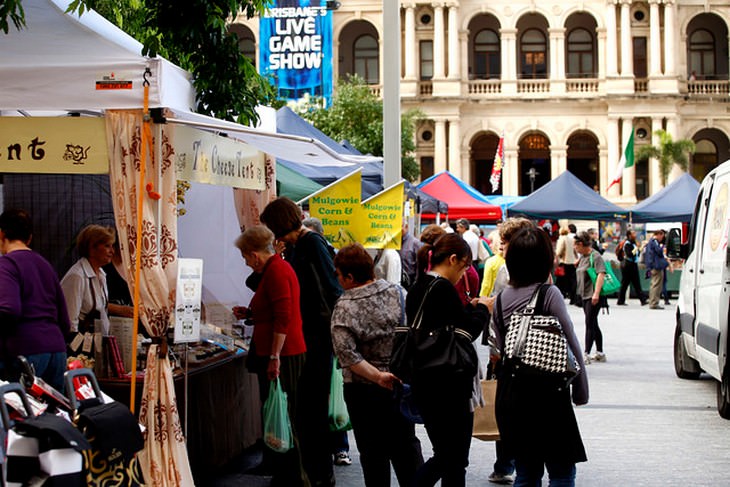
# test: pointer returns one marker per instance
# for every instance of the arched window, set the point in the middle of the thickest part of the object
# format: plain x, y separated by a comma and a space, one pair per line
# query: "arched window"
248, 48
533, 55
366, 59
702, 53
581, 56
486, 55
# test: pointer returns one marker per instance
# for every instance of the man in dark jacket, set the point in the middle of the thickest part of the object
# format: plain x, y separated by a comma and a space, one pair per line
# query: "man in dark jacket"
630, 269
655, 264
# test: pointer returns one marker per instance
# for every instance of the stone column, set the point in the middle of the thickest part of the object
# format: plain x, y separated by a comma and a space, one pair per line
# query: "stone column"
557, 70
628, 181
673, 129
627, 59
614, 154
509, 61
669, 39
438, 41
510, 172
464, 51
611, 40
558, 160
453, 41
410, 41
602, 53
655, 41
455, 150
439, 153
655, 178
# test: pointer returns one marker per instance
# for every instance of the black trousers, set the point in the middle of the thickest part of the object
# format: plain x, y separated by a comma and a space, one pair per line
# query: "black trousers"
593, 331
383, 435
313, 402
449, 422
630, 276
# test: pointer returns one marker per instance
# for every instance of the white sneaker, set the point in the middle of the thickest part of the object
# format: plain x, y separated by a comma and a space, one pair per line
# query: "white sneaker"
599, 357
587, 359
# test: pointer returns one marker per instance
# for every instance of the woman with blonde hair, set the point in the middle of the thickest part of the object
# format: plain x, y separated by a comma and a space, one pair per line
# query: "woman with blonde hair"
84, 285
565, 258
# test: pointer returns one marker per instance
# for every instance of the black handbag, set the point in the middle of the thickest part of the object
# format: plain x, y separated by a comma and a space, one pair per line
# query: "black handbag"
535, 344
445, 350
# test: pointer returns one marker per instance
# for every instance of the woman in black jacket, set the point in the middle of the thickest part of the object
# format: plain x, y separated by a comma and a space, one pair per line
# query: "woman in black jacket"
442, 396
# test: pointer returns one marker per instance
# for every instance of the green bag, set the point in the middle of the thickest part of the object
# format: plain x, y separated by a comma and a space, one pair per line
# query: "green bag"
338, 415
277, 427
611, 284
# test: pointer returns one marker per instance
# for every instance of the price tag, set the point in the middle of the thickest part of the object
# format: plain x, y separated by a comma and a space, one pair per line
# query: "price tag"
88, 343
97, 341
76, 342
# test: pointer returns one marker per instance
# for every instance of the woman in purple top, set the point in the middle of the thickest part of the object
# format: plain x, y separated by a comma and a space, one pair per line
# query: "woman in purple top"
536, 420
33, 316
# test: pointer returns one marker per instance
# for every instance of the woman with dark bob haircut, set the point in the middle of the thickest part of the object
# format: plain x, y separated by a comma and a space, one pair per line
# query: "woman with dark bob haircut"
32, 306
443, 397
308, 254
363, 328
536, 419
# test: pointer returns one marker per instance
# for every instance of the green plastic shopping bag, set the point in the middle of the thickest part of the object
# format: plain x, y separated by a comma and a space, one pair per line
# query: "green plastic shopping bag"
277, 427
339, 417
611, 284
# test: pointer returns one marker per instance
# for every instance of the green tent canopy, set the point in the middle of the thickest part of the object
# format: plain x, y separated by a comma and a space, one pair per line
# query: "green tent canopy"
292, 184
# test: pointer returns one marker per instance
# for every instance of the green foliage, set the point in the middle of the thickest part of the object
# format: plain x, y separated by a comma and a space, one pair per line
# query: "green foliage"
356, 115
193, 34
668, 152
13, 10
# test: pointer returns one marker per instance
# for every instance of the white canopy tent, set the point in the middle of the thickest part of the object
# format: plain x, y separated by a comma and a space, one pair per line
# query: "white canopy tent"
62, 63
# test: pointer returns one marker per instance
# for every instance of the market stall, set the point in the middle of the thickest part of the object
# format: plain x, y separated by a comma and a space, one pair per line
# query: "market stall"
79, 98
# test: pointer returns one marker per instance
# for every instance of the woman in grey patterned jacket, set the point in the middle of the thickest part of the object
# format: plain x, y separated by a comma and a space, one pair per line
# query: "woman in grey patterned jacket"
363, 327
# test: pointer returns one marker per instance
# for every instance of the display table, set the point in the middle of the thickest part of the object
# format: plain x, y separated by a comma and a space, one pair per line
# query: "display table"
224, 410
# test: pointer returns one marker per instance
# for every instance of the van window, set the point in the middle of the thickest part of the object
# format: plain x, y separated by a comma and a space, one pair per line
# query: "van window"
693, 222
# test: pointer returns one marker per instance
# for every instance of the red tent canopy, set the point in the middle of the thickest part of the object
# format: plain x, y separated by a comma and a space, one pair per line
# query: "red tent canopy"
463, 200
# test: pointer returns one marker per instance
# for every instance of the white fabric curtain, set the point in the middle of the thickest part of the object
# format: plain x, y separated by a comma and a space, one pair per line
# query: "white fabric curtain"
164, 459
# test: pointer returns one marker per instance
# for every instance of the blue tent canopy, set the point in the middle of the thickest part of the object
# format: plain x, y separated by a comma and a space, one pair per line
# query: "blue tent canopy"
567, 197
288, 122
674, 203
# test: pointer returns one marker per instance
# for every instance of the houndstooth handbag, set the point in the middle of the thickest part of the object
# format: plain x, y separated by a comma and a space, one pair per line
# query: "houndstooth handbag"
537, 343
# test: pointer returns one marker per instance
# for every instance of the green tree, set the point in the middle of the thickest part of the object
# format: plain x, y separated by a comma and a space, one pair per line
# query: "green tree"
11, 10
356, 115
194, 35
668, 152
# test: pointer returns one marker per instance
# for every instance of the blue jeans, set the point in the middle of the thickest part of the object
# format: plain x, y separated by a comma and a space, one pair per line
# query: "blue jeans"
529, 474
50, 367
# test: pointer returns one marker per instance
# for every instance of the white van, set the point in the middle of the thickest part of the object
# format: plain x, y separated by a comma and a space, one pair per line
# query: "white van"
701, 339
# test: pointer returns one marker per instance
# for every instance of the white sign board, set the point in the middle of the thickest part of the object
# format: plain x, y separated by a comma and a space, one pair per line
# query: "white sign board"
187, 301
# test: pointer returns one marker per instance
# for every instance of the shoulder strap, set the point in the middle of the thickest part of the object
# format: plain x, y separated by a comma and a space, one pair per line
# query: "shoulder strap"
419, 314
378, 256
402, 307
541, 293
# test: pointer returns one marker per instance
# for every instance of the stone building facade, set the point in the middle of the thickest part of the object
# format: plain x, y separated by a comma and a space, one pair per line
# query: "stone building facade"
564, 82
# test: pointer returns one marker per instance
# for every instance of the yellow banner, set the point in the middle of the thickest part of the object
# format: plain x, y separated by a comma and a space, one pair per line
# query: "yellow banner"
338, 207
53, 145
205, 157
382, 219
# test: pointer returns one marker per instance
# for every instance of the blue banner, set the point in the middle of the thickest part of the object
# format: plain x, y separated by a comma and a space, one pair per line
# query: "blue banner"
296, 48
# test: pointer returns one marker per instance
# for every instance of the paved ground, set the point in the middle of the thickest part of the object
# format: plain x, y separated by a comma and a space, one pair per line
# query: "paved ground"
642, 427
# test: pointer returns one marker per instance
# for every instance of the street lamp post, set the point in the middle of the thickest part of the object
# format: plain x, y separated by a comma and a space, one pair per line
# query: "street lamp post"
532, 174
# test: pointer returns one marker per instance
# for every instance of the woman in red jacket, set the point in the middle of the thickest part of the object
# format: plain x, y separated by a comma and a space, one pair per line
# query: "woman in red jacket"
277, 320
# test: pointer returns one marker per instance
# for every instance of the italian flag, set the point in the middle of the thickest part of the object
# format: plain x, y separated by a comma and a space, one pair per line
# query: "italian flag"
626, 161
